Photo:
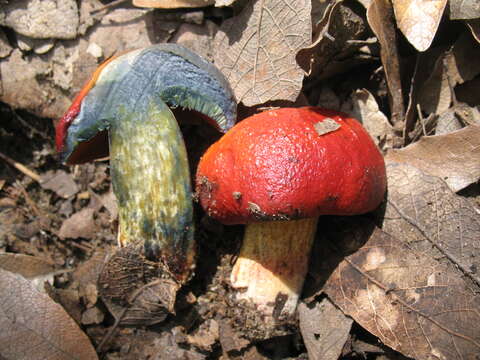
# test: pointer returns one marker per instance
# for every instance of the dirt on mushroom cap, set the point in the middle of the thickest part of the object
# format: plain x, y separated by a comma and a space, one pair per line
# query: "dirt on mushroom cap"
279, 164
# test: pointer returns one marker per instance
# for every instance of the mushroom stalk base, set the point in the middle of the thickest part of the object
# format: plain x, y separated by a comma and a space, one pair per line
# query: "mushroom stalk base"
273, 263
151, 180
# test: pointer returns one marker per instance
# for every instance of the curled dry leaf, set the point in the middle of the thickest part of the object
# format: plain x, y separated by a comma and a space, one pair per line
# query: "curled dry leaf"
256, 50
324, 329
454, 157
418, 20
35, 327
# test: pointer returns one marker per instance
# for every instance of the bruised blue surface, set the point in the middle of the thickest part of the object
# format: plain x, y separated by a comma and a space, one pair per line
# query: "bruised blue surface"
176, 75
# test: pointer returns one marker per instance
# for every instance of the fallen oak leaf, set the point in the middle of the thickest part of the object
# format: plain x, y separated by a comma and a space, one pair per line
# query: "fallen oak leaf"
256, 50
35, 327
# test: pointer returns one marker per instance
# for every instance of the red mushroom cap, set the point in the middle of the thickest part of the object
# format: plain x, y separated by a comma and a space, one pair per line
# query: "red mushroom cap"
291, 163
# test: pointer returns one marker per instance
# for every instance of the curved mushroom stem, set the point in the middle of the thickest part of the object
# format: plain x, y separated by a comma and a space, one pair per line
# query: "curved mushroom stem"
273, 263
151, 179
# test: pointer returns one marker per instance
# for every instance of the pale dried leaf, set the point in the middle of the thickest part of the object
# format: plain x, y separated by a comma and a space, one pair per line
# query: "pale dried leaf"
60, 182
464, 9
418, 20
324, 329
79, 225
454, 157
447, 123
172, 4
35, 327
256, 50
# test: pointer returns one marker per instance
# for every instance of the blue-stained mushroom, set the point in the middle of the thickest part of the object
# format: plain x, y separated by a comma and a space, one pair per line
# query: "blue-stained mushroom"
124, 112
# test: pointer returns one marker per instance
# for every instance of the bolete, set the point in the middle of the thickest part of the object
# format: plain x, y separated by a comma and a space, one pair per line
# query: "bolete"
126, 102
277, 171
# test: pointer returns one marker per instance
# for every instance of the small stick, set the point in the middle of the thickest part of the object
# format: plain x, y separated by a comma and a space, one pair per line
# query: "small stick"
21, 168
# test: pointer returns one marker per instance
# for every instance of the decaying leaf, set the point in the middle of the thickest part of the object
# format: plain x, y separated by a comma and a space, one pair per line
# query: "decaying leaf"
418, 20
324, 329
337, 38
379, 16
79, 225
435, 95
459, 62
256, 50
464, 9
423, 211
60, 182
35, 327
30, 267
411, 301
453, 157
172, 4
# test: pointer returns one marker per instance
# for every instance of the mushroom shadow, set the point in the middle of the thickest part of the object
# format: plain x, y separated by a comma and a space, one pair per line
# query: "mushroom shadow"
337, 237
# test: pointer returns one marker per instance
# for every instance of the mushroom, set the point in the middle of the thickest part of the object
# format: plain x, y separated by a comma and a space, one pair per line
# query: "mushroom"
277, 171
125, 101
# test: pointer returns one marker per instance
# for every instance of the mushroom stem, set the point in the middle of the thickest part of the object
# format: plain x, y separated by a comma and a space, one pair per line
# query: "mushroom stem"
273, 263
151, 180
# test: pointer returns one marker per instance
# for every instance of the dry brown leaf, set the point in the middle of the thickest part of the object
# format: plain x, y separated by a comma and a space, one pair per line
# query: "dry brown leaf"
464, 9
459, 62
35, 327
418, 20
256, 50
172, 4
379, 17
415, 283
365, 109
79, 225
60, 182
324, 329
32, 268
412, 302
454, 157
435, 95
337, 37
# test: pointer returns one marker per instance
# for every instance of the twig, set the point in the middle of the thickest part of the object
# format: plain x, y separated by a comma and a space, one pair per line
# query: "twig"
29, 201
21, 168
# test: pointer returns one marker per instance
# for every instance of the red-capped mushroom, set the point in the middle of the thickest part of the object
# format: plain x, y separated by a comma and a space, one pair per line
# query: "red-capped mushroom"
277, 171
